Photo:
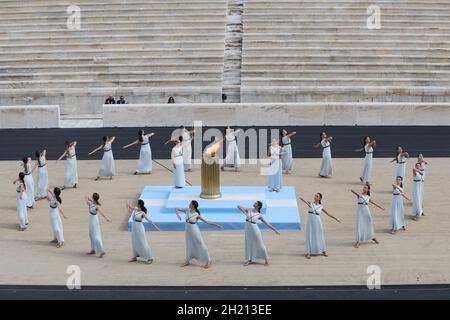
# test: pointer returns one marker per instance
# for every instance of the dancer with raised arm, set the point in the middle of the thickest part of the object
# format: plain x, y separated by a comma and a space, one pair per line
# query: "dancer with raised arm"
397, 219
144, 165
423, 169
71, 171
21, 201
29, 182
276, 168
254, 245
368, 146
42, 184
195, 245
232, 159
55, 212
179, 179
286, 148
326, 168
95, 232
108, 167
400, 158
187, 147
364, 224
418, 179
139, 242
315, 240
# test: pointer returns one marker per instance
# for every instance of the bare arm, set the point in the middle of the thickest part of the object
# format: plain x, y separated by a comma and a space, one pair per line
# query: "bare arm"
243, 210
359, 150
330, 215
151, 222
355, 193
316, 145
62, 156
112, 139
61, 211
88, 200
131, 144
150, 135
210, 222
373, 143
102, 213
178, 215
306, 202
95, 150
292, 134
376, 205
268, 224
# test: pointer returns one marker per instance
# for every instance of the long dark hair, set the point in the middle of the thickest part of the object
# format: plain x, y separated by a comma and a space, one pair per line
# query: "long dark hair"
22, 179
368, 188
364, 141
141, 206
180, 138
320, 196
105, 138
171, 100
401, 183
25, 162
141, 135
321, 135
195, 205
95, 198
57, 192
259, 205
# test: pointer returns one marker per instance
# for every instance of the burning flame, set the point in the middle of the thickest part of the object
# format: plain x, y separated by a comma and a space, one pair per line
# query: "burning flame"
213, 149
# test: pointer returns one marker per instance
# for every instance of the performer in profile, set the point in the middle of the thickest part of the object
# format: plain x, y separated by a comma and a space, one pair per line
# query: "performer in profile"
397, 220
275, 170
400, 158
232, 159
95, 232
368, 146
195, 245
326, 168
417, 209
315, 241
29, 182
71, 173
254, 245
42, 184
286, 148
179, 179
144, 165
107, 168
187, 147
55, 212
21, 201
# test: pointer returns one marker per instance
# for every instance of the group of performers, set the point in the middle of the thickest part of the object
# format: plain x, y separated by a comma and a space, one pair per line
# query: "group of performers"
280, 162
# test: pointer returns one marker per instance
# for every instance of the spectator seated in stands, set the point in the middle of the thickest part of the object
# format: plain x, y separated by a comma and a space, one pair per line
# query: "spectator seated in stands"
110, 100
171, 100
121, 100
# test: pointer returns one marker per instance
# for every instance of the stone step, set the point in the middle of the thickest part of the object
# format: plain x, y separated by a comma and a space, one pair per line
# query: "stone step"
89, 5
386, 30
425, 52
324, 57
111, 11
289, 15
340, 23
370, 43
350, 36
325, 81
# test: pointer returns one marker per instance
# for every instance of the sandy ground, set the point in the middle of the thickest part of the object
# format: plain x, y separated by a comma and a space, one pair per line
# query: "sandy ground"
419, 255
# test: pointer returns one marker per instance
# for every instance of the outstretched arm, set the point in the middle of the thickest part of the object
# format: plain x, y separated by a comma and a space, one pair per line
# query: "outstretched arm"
210, 222
376, 205
88, 200
150, 135
95, 150
178, 210
330, 215
292, 134
131, 144
151, 222
102, 213
354, 192
243, 210
304, 201
359, 150
62, 156
268, 224
112, 139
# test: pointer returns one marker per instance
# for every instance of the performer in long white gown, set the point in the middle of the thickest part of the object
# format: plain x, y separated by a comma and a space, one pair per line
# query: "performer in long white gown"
95, 232
195, 245
179, 179
71, 171
364, 225
397, 219
55, 212
42, 184
315, 240
187, 147
275, 169
368, 146
29, 182
108, 167
232, 159
254, 245
400, 158
326, 168
21, 201
139, 242
423, 169
286, 156
417, 209
144, 165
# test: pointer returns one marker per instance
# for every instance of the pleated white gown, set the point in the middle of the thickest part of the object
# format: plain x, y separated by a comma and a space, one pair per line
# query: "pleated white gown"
145, 164
397, 219
187, 150
71, 173
286, 156
367, 168
364, 225
179, 179
423, 169
326, 168
195, 245
401, 167
232, 159
417, 209
55, 220
29, 183
42, 184
315, 240
275, 169
21, 205
139, 241
108, 167
95, 232
254, 245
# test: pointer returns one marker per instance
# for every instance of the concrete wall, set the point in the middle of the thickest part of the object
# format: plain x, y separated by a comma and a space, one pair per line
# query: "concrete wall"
245, 114
28, 117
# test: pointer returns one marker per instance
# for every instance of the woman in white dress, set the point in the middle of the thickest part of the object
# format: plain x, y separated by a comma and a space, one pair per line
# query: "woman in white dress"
55, 212
326, 168
179, 179
187, 147
423, 169
108, 167
254, 245
417, 209
276, 167
232, 160
400, 158
29, 182
139, 241
286, 156
95, 232
195, 245
397, 220
315, 240
21, 201
364, 225
144, 165
368, 146
42, 184
71, 172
